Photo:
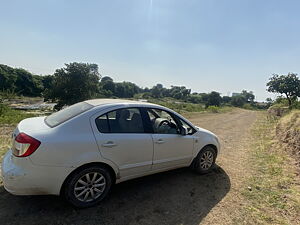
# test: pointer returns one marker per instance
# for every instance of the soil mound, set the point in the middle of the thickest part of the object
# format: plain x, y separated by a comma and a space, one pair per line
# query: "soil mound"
288, 132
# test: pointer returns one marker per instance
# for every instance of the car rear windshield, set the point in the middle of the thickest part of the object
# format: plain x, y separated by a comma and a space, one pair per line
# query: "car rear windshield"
67, 113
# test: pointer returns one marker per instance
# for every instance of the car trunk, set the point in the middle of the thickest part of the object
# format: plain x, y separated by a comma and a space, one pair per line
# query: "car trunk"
31, 125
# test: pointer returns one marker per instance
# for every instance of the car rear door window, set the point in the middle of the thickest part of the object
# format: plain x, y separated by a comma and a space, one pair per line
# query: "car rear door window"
102, 124
128, 120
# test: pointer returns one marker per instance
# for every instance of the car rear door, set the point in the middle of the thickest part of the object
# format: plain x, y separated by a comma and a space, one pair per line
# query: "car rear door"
121, 138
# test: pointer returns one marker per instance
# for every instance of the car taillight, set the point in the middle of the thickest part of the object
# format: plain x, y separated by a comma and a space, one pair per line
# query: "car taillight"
24, 145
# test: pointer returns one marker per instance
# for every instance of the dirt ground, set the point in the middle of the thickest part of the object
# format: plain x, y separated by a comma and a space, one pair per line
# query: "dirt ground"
174, 197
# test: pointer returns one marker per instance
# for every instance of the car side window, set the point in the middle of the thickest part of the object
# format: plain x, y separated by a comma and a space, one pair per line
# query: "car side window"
162, 122
128, 120
190, 130
102, 124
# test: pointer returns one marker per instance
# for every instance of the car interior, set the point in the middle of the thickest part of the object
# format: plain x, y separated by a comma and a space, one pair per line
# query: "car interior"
121, 121
162, 122
130, 121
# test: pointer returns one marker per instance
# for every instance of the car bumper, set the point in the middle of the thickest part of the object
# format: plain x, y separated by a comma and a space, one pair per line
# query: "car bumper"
21, 177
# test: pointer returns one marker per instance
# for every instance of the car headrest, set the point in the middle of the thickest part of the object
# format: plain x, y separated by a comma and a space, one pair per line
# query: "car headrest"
124, 114
136, 118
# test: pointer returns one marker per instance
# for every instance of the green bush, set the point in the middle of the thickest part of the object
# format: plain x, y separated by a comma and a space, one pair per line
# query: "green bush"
283, 102
11, 116
4, 109
238, 101
179, 106
213, 109
248, 106
182, 107
7, 94
296, 105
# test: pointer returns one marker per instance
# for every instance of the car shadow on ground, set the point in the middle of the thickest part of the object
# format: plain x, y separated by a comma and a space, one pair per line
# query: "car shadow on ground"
175, 197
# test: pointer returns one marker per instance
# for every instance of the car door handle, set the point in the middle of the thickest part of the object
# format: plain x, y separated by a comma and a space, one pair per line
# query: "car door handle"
109, 144
160, 141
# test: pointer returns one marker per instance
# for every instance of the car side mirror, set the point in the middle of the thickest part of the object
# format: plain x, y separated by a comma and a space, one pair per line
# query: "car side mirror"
183, 131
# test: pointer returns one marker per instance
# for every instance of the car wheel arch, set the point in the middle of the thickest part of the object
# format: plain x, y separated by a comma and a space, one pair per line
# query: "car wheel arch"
213, 146
87, 165
204, 146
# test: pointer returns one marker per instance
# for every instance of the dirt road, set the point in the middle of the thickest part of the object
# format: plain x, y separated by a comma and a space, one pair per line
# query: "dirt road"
175, 197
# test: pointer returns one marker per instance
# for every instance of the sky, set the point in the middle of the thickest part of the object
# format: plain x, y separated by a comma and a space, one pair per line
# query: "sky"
205, 45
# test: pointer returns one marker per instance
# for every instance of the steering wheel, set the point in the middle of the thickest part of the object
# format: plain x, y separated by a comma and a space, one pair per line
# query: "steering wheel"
167, 122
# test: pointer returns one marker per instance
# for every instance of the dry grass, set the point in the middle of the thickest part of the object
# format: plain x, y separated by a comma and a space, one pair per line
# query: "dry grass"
5, 140
288, 132
273, 193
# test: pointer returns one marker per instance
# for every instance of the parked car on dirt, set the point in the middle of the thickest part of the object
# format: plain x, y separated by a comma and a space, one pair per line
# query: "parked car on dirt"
82, 150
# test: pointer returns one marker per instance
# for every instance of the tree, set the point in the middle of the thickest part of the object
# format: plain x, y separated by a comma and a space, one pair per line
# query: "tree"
179, 92
238, 100
289, 85
185, 92
213, 99
7, 78
126, 89
249, 96
106, 78
226, 99
20, 81
269, 102
156, 91
74, 83
47, 81
28, 84
107, 86
194, 98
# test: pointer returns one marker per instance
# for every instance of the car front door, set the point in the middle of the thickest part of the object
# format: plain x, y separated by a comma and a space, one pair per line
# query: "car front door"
171, 148
121, 138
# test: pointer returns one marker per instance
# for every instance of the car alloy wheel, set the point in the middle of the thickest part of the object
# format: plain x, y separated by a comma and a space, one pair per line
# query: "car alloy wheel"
206, 160
89, 187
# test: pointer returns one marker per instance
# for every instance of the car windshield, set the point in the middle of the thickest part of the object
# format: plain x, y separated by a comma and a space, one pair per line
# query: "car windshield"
67, 113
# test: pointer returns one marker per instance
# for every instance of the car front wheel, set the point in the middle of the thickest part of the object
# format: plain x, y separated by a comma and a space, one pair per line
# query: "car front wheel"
88, 187
205, 160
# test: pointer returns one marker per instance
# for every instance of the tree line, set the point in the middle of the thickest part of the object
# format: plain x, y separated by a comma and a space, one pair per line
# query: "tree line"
80, 81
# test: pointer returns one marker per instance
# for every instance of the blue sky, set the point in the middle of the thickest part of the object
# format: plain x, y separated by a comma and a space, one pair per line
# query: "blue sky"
221, 45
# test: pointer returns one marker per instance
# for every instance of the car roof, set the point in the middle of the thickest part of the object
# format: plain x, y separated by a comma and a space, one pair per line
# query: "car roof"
108, 101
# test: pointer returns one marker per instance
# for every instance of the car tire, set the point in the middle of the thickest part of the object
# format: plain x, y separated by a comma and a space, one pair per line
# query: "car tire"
205, 160
88, 187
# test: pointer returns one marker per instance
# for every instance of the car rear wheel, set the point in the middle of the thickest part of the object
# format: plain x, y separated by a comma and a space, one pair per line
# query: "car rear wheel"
88, 186
205, 160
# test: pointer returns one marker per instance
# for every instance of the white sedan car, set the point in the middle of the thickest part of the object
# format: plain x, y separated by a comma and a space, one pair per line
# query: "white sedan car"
82, 150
